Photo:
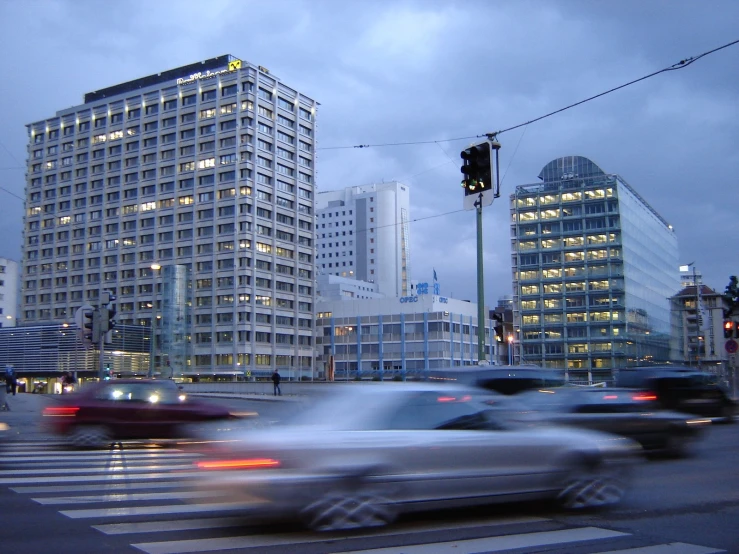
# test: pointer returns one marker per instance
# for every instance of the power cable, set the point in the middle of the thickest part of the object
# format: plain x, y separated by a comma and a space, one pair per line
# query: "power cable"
679, 65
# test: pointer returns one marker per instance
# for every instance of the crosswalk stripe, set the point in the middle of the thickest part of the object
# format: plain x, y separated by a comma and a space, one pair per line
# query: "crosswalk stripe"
158, 510
94, 464
457, 547
63, 457
503, 542
97, 478
50, 489
122, 497
48, 471
192, 524
672, 548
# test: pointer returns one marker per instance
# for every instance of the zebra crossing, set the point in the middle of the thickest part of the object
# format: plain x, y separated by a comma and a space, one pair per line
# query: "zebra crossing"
146, 498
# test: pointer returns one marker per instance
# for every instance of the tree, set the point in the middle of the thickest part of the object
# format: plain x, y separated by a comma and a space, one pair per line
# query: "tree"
731, 297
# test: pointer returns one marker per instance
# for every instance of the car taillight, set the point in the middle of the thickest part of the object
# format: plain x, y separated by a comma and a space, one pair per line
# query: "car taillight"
644, 396
610, 397
61, 411
250, 463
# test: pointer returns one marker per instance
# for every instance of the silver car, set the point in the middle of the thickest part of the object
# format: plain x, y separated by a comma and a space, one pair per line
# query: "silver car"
362, 457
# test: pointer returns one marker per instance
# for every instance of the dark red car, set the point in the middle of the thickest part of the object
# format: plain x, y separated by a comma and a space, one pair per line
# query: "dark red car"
103, 412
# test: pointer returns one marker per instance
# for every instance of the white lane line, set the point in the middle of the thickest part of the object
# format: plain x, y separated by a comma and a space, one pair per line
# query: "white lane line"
502, 542
165, 526
114, 477
116, 462
67, 457
99, 487
262, 541
122, 497
192, 524
57, 470
158, 510
672, 548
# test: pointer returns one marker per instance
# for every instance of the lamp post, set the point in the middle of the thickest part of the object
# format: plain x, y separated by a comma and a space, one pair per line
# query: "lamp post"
153, 338
510, 349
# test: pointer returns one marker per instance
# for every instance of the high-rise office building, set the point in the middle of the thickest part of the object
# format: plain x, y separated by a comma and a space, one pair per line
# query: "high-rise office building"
594, 266
362, 233
206, 169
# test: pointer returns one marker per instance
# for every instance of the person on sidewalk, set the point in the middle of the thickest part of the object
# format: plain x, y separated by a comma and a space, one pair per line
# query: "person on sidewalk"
276, 382
11, 380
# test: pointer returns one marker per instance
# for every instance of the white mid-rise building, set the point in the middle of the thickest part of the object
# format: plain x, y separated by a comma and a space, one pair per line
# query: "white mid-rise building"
334, 287
362, 233
8, 292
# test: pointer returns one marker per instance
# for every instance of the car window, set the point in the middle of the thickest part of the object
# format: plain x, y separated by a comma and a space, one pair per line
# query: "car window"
138, 392
438, 410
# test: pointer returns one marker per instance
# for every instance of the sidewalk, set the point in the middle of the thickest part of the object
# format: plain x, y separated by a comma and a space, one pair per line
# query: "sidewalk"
24, 417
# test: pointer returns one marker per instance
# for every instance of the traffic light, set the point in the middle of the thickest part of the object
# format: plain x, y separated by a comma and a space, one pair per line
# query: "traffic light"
477, 168
106, 374
729, 328
498, 327
88, 328
107, 322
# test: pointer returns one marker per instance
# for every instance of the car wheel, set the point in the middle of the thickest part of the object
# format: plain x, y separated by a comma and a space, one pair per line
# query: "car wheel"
350, 508
90, 436
591, 486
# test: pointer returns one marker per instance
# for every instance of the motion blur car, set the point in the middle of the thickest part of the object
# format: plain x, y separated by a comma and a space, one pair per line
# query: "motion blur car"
361, 458
681, 388
102, 412
501, 379
631, 413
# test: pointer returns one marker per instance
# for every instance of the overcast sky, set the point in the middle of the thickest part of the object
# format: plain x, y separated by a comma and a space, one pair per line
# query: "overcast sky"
395, 71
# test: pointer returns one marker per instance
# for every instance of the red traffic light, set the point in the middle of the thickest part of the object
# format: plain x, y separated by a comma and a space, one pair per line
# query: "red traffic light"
729, 327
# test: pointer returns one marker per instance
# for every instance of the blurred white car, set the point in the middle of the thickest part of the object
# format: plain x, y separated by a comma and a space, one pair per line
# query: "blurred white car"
361, 458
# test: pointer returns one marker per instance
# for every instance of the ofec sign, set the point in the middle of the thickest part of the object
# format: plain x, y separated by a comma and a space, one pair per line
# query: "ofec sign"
406, 299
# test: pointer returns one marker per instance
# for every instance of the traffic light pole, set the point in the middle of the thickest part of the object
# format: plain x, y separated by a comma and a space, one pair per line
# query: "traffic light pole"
480, 287
101, 361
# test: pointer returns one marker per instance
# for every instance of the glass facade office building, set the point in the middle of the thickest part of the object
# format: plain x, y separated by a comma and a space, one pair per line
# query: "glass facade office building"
206, 171
594, 266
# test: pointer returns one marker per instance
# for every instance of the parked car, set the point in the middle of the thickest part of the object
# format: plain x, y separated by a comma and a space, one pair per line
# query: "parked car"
627, 412
681, 388
128, 409
375, 451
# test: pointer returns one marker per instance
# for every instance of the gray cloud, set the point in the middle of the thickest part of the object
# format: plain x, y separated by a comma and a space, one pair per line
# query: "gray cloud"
387, 71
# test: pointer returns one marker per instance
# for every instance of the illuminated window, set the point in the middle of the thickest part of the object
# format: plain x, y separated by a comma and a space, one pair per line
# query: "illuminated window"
208, 162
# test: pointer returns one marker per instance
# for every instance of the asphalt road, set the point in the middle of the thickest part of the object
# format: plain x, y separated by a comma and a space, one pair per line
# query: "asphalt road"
64, 501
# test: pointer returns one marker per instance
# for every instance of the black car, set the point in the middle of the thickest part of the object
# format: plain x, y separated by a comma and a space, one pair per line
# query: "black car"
681, 388
627, 412
501, 379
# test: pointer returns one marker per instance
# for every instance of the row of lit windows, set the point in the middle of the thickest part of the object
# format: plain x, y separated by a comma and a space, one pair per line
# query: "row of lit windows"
576, 196
569, 303
558, 273
222, 337
575, 211
100, 121
571, 317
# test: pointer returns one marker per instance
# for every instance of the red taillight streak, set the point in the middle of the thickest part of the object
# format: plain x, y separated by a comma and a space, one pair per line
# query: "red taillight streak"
61, 411
646, 396
239, 464
465, 398
610, 397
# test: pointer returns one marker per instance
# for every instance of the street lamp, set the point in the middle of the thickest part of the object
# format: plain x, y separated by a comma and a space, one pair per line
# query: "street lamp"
154, 317
510, 349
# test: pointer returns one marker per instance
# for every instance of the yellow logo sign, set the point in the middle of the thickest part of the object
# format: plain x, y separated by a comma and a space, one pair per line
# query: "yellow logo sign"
234, 65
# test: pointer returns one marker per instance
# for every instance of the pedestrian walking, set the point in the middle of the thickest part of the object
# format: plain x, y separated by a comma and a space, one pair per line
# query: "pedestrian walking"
276, 382
11, 380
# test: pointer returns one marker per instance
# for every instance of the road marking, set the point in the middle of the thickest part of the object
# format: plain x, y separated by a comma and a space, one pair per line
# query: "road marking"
99, 487
262, 541
158, 510
124, 497
192, 524
503, 542
93, 478
57, 470
672, 548
57, 457
93, 464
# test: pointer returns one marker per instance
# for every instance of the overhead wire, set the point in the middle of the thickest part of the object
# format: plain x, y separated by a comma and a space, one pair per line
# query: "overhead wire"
679, 65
